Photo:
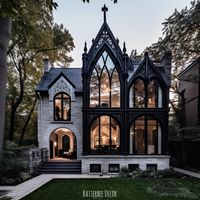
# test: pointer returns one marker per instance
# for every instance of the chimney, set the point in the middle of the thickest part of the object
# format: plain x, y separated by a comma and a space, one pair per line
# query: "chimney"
166, 62
47, 65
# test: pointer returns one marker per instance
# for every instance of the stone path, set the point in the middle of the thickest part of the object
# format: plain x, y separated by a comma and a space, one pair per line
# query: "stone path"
23, 189
183, 171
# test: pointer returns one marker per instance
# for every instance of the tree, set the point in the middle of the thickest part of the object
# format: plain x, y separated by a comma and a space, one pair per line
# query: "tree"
37, 38
181, 35
8, 10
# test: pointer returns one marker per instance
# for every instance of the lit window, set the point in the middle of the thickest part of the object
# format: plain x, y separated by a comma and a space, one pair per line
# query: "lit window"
62, 107
105, 83
105, 136
145, 95
145, 136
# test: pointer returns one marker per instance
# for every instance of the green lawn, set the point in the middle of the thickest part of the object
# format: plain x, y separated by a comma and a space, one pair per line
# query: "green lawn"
119, 188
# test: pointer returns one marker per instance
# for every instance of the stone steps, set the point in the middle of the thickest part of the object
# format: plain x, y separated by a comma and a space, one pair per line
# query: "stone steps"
65, 167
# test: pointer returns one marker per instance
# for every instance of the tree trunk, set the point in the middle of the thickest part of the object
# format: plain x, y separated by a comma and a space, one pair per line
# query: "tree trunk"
5, 32
27, 121
15, 105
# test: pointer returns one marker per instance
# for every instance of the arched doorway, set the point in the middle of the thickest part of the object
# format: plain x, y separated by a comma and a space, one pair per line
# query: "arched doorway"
62, 144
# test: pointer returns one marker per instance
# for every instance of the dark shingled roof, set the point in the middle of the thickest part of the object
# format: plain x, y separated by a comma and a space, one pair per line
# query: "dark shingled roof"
73, 74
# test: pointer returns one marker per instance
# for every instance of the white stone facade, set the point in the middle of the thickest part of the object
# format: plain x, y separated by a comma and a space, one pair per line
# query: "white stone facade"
46, 123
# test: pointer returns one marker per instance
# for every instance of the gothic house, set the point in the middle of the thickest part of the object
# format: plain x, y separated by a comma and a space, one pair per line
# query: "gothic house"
111, 113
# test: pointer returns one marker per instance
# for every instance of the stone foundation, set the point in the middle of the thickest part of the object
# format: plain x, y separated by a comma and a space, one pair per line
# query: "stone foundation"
161, 161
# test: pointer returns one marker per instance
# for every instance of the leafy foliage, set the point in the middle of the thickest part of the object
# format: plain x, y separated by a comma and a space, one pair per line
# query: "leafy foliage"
34, 36
181, 35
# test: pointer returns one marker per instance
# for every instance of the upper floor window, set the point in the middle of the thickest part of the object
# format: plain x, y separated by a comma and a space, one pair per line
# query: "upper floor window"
145, 95
105, 83
62, 107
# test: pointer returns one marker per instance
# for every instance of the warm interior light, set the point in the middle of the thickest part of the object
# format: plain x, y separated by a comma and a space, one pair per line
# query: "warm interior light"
55, 144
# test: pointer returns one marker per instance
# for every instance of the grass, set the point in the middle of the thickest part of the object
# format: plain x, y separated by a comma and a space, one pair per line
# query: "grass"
119, 188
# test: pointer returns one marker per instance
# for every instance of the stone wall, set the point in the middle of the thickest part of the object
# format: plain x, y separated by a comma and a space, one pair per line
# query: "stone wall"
46, 124
161, 161
36, 157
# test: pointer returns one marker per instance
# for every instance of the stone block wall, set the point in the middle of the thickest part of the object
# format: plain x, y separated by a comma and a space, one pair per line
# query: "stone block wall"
161, 161
47, 125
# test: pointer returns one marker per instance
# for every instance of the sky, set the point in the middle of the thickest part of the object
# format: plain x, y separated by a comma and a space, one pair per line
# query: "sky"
137, 22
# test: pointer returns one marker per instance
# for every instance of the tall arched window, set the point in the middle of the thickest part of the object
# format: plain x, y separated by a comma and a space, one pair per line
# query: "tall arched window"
137, 94
145, 95
105, 83
105, 136
145, 136
62, 107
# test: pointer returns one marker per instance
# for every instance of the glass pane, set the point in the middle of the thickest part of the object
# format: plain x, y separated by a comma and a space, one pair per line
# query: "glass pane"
152, 147
115, 137
99, 65
110, 65
58, 109
131, 97
132, 133
105, 130
104, 56
152, 94
159, 97
139, 94
115, 90
94, 90
140, 136
94, 140
66, 109
65, 95
105, 89
58, 96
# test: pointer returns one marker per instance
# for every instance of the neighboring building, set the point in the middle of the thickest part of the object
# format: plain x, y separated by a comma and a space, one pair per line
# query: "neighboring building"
111, 113
189, 86
189, 82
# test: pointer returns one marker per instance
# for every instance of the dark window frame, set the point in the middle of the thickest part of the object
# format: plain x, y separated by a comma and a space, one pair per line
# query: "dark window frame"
62, 106
95, 166
151, 167
133, 167
146, 84
146, 118
110, 75
109, 151
113, 165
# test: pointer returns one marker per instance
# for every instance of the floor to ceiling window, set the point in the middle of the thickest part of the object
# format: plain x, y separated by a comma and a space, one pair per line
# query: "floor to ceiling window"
105, 136
145, 136
105, 83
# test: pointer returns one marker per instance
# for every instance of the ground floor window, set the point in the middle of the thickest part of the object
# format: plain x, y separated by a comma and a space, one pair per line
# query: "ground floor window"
105, 136
145, 136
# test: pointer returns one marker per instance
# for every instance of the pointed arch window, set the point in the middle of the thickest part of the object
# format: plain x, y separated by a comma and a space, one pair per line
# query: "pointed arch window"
105, 83
145, 136
145, 94
62, 107
105, 136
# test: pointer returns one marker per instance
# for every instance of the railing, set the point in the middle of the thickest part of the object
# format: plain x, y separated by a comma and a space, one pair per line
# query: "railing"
36, 157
